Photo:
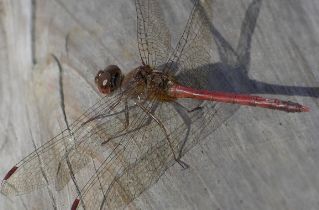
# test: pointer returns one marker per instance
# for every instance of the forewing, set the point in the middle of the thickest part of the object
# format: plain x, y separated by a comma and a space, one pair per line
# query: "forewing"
152, 33
192, 49
28, 175
79, 145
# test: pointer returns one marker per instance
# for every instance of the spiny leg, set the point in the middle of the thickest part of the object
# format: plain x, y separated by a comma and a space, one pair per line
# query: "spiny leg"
177, 158
126, 123
183, 113
147, 122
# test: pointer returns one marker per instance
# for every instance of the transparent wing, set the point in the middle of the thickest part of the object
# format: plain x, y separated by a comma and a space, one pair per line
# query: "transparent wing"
79, 145
192, 49
152, 34
143, 156
130, 147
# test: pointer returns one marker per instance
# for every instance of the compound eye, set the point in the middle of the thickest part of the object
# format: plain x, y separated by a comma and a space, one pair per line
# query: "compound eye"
102, 82
109, 79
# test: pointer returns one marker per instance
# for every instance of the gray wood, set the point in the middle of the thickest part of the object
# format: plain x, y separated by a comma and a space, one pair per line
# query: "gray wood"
259, 159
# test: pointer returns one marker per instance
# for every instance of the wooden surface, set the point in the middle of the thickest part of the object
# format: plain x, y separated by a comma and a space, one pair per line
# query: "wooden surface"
259, 159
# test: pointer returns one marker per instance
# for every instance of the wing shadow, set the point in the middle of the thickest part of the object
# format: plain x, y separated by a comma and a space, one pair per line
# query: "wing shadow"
235, 63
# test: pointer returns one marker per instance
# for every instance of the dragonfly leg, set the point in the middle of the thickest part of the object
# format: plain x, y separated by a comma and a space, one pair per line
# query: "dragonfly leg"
127, 116
176, 157
198, 107
119, 134
183, 113
182, 163
126, 123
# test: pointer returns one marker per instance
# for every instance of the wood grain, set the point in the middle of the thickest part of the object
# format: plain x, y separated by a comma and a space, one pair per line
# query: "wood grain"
259, 159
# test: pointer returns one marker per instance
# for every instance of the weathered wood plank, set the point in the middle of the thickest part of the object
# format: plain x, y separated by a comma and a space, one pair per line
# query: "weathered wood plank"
259, 159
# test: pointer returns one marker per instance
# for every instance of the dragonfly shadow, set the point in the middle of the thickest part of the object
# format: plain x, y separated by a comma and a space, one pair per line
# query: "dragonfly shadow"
234, 64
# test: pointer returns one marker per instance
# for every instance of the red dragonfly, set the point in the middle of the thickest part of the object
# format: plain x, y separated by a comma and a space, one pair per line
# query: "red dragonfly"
147, 121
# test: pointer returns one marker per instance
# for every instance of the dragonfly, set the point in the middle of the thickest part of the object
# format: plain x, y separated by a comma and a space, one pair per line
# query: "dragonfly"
147, 120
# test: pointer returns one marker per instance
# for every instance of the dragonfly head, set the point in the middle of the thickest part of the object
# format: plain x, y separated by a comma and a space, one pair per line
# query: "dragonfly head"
109, 79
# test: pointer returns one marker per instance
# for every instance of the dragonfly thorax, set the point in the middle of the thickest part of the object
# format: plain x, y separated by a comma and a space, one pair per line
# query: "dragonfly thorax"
147, 83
